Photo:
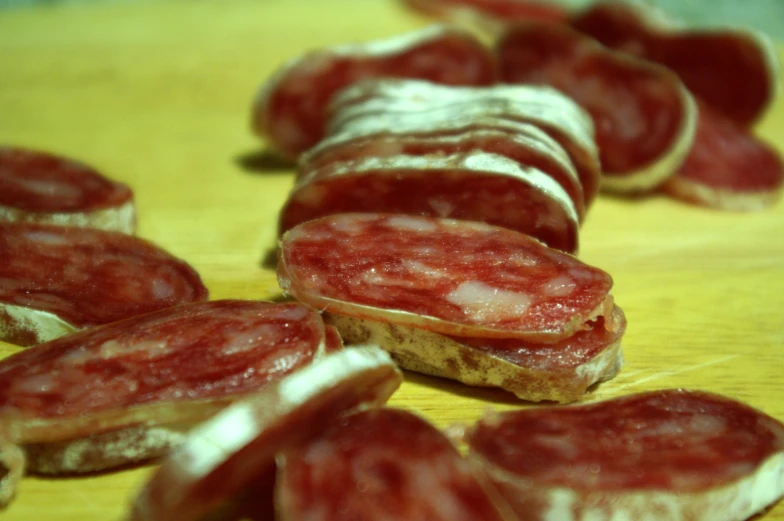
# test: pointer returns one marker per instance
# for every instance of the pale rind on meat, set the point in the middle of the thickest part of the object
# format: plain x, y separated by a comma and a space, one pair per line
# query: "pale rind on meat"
253, 431
12, 464
118, 219
434, 354
731, 200
28, 326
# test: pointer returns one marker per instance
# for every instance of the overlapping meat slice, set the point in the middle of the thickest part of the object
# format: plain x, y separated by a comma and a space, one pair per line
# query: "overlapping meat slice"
734, 71
289, 110
663, 455
236, 449
124, 392
643, 116
41, 187
381, 464
378, 104
56, 279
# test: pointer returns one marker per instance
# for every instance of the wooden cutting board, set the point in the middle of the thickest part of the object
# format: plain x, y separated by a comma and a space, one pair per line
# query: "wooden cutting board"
157, 94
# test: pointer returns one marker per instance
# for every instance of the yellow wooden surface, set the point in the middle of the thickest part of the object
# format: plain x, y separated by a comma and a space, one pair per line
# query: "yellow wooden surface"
157, 94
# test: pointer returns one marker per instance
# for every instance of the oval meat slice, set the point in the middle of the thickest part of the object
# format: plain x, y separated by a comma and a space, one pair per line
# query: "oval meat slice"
643, 116
124, 392
390, 103
40, 187
447, 276
665, 455
233, 450
381, 464
561, 372
728, 168
472, 186
734, 71
56, 279
289, 111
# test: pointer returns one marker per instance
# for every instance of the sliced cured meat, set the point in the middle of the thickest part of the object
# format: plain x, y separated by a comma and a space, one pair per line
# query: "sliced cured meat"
12, 465
643, 116
389, 103
734, 71
728, 168
56, 279
500, 12
124, 392
664, 455
289, 110
447, 276
229, 452
41, 187
473, 186
560, 372
521, 142
381, 464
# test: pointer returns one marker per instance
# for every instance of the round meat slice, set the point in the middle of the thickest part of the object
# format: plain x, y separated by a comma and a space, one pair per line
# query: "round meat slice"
472, 186
643, 116
451, 277
289, 111
57, 279
665, 455
125, 391
231, 451
521, 142
734, 71
728, 168
40, 187
381, 464
560, 372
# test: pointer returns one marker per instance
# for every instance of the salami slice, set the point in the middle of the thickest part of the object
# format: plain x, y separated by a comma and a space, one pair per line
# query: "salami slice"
560, 372
381, 464
473, 186
224, 455
728, 168
40, 187
664, 455
497, 12
289, 110
643, 115
734, 71
56, 279
125, 391
520, 142
394, 102
446, 276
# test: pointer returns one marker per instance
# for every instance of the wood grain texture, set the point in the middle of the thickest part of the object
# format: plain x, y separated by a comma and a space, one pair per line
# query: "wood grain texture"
157, 94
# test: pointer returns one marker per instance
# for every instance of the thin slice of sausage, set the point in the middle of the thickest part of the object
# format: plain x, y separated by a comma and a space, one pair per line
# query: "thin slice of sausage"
728, 168
223, 456
735, 71
125, 391
451, 277
473, 186
289, 110
643, 115
56, 279
665, 455
560, 372
41, 187
381, 464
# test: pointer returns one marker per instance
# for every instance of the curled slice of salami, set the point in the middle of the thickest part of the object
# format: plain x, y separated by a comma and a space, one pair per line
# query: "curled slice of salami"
40, 187
447, 276
728, 168
230, 451
289, 110
381, 464
125, 391
663, 455
377, 103
472, 186
521, 142
735, 71
643, 116
55, 279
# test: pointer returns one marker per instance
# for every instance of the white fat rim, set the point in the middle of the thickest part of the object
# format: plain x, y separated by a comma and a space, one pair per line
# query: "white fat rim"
722, 199
118, 219
44, 325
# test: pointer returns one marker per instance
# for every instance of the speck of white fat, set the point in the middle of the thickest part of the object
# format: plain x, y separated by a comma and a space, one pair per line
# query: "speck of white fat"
560, 286
161, 289
486, 303
49, 238
411, 224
